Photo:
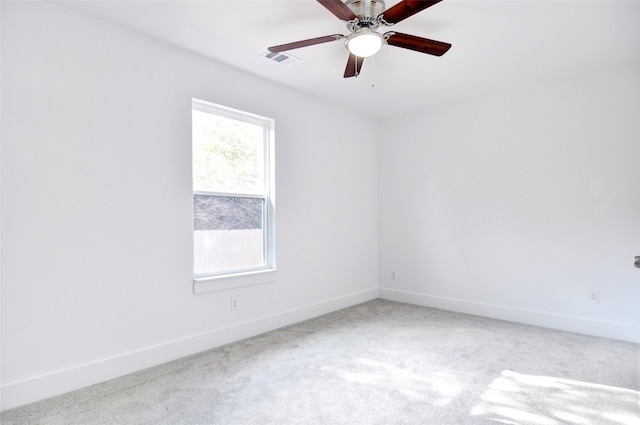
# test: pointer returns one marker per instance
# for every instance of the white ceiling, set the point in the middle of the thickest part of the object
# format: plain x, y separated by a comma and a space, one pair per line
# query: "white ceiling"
497, 45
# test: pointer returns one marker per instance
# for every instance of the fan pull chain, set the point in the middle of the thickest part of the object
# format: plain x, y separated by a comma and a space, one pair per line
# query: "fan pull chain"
373, 80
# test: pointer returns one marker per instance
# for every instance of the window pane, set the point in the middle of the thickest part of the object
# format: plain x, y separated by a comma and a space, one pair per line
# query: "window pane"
228, 154
228, 233
232, 183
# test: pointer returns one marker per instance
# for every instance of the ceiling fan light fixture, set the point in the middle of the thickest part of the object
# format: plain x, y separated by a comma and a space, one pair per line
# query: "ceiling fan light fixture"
363, 18
364, 42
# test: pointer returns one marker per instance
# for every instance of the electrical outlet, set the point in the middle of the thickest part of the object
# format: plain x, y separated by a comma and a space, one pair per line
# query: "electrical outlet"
234, 303
594, 297
394, 275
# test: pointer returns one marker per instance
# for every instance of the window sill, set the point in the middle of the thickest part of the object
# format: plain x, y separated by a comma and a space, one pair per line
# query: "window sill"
219, 283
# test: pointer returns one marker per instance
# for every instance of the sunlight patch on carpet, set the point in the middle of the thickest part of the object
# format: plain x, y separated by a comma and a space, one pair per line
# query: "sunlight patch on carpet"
437, 388
516, 398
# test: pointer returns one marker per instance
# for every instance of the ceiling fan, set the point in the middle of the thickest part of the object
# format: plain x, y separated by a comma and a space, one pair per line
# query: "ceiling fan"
363, 18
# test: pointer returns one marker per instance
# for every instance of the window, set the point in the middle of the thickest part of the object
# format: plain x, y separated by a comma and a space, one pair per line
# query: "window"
233, 210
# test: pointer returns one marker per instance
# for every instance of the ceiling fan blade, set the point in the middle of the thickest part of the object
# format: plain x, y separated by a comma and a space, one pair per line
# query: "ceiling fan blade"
419, 44
354, 64
305, 43
339, 9
406, 8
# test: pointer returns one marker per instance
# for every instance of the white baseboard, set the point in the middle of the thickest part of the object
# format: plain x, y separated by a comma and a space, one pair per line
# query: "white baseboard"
620, 331
60, 382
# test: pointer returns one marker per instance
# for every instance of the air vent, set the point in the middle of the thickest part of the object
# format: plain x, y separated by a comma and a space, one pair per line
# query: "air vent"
281, 58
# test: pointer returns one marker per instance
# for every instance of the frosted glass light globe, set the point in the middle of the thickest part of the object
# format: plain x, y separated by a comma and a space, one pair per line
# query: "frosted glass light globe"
364, 42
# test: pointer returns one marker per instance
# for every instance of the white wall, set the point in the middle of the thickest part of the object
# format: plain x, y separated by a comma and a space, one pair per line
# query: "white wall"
96, 204
517, 205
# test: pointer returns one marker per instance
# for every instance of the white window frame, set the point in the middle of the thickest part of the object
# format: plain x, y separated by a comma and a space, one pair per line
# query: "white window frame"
205, 282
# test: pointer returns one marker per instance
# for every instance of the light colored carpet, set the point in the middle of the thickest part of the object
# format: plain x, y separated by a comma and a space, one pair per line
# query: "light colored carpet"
380, 362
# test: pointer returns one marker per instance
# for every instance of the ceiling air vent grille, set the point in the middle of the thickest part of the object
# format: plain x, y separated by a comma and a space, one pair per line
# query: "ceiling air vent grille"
281, 58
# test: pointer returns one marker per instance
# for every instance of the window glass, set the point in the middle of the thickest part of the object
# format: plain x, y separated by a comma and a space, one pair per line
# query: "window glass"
233, 212
228, 155
228, 233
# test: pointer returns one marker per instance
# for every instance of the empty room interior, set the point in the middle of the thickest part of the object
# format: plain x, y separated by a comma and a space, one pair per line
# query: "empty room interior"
448, 235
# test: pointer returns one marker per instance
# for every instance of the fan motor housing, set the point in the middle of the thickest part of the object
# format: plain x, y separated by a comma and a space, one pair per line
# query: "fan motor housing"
367, 9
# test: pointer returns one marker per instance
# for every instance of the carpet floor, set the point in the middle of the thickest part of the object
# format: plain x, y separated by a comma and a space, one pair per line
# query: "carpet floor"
380, 362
